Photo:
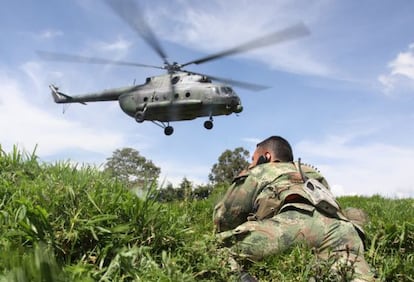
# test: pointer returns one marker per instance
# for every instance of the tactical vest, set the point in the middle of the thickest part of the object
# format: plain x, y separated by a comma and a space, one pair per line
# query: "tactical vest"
289, 188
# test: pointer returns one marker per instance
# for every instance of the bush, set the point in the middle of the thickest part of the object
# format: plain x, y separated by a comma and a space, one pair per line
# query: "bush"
60, 222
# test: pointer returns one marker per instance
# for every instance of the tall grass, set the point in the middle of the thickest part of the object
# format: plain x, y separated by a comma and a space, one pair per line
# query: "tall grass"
93, 228
390, 240
60, 222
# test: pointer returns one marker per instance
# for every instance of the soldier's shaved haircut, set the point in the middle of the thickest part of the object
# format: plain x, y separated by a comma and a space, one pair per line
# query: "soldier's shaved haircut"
279, 146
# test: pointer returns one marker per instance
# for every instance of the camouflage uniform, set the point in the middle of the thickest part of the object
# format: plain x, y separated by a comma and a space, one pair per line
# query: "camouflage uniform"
267, 210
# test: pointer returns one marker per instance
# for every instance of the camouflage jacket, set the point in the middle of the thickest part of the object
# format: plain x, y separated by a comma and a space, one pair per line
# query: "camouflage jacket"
262, 192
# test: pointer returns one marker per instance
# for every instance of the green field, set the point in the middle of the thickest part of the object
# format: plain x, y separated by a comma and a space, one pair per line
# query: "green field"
64, 223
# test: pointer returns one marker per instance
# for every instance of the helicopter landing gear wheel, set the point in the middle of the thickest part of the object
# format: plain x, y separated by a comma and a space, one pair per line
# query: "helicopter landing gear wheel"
168, 130
208, 124
139, 117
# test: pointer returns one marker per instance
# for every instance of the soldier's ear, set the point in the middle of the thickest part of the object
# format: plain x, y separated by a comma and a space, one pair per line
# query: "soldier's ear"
268, 156
263, 159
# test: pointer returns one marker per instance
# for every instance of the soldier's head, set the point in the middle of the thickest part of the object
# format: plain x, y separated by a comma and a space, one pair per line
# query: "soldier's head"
272, 149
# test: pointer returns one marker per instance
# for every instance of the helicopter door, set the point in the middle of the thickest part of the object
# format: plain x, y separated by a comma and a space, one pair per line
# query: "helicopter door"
209, 94
215, 91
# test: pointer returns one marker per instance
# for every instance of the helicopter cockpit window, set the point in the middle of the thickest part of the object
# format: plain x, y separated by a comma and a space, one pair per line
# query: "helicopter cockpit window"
175, 79
226, 90
216, 90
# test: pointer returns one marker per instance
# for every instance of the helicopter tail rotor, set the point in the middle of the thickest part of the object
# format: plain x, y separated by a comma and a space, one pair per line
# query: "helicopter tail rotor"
58, 97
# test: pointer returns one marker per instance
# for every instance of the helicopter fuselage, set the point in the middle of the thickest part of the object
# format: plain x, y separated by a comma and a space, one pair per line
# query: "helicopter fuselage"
186, 97
166, 98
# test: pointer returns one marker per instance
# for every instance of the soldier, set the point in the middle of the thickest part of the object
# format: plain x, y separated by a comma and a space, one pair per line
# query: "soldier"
278, 203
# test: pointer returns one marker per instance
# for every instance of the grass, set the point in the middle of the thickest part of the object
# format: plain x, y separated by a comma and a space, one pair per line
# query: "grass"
64, 223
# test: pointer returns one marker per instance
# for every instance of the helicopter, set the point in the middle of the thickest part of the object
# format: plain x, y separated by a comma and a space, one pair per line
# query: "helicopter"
178, 94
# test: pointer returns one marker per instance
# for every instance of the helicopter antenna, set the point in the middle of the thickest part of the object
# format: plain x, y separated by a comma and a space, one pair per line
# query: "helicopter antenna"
65, 107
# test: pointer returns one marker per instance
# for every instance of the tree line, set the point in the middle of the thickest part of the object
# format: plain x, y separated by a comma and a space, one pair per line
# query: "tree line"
136, 171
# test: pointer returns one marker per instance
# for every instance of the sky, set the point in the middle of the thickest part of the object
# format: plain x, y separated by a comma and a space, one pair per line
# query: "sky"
343, 96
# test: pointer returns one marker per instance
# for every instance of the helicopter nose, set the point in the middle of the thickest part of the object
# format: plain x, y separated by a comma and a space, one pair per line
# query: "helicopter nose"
235, 105
239, 109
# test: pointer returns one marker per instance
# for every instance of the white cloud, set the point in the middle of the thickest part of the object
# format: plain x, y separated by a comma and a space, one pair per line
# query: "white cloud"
118, 45
404, 63
174, 172
401, 73
50, 33
25, 125
365, 169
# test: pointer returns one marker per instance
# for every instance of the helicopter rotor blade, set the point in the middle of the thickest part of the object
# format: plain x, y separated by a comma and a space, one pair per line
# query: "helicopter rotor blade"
237, 83
63, 57
129, 12
289, 33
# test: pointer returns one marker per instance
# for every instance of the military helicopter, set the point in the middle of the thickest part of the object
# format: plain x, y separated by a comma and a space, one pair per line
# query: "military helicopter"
179, 94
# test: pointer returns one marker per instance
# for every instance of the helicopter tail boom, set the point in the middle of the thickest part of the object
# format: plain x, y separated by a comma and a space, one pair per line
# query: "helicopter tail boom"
60, 97
106, 95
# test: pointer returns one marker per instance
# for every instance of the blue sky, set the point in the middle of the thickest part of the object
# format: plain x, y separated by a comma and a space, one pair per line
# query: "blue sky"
343, 96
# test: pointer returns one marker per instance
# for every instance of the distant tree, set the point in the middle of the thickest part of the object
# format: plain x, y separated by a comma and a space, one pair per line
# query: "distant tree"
129, 166
229, 164
186, 186
182, 192
202, 192
167, 194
